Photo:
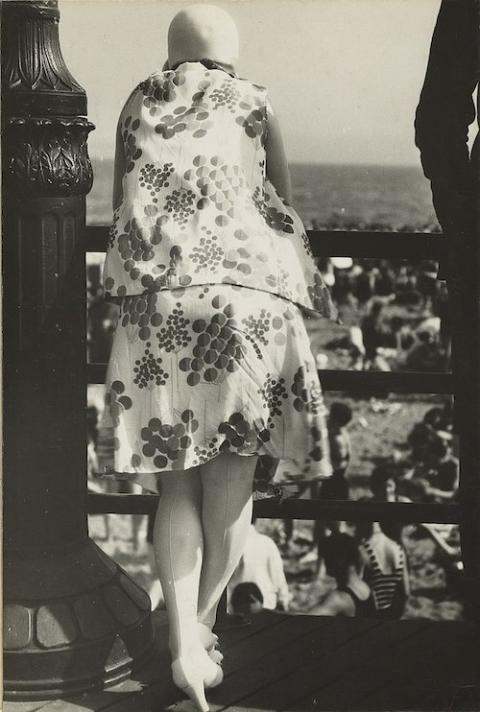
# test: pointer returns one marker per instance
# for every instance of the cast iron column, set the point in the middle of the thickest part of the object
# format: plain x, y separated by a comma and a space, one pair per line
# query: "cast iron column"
72, 619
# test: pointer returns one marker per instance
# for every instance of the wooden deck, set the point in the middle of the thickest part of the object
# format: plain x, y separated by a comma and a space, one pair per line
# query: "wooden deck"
287, 662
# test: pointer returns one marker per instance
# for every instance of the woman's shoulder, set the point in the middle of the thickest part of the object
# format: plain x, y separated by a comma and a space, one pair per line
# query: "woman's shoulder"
161, 85
155, 78
343, 601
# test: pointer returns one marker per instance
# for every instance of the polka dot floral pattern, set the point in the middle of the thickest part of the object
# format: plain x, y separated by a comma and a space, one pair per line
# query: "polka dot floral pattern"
154, 178
116, 401
219, 185
226, 95
254, 122
219, 347
132, 151
149, 371
276, 219
158, 90
141, 312
175, 334
194, 119
197, 206
206, 370
208, 253
166, 443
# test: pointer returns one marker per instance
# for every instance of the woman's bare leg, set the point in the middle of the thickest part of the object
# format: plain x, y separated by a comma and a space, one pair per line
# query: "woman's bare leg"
178, 546
226, 516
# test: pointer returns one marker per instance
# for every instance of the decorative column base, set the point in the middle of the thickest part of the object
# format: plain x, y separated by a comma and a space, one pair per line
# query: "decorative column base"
73, 620
83, 630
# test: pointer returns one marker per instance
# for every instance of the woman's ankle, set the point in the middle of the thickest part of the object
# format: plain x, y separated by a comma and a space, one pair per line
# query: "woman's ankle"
208, 619
185, 646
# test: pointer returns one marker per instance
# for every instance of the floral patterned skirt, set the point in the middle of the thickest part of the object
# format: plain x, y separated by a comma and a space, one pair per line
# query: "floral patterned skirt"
205, 370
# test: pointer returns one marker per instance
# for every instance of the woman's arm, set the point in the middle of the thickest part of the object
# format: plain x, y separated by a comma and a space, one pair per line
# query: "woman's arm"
444, 495
406, 577
277, 166
446, 109
118, 170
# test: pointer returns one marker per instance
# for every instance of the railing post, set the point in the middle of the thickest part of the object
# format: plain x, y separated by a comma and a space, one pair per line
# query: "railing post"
72, 619
464, 294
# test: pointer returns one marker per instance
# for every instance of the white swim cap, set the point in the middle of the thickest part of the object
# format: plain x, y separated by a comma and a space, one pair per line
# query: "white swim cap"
202, 32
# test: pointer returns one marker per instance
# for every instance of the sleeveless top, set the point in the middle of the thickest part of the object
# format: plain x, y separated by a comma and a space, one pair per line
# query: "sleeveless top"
384, 586
363, 609
197, 206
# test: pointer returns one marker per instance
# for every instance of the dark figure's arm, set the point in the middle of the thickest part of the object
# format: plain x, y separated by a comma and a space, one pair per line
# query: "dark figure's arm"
445, 111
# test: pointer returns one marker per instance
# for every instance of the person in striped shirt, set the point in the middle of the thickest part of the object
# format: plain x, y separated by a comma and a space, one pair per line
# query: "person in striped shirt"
385, 570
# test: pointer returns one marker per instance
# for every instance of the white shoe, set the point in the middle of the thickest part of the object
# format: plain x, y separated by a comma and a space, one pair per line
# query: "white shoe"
210, 641
193, 674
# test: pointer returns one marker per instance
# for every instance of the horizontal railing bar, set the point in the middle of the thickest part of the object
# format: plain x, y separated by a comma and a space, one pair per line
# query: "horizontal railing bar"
96, 238
366, 382
352, 243
293, 508
338, 243
96, 372
352, 511
363, 382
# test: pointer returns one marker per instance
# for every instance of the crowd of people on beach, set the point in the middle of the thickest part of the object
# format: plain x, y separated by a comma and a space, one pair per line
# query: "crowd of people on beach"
426, 471
403, 313
368, 562
402, 309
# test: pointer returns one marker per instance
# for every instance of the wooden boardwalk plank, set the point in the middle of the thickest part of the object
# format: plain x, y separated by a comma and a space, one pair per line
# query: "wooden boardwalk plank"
464, 693
461, 698
236, 642
435, 654
89, 702
323, 662
433, 663
97, 701
282, 633
432, 686
25, 706
461, 679
362, 673
153, 688
232, 634
109, 698
264, 671
285, 662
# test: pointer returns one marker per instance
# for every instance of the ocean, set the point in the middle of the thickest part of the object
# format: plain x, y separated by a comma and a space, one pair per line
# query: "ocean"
326, 196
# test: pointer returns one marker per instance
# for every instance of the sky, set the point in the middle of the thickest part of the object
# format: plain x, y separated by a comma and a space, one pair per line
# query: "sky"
344, 76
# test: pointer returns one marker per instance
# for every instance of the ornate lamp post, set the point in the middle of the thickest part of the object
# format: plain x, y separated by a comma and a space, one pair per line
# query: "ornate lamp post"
72, 619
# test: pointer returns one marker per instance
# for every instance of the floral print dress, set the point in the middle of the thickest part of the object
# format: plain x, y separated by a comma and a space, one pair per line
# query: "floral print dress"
214, 275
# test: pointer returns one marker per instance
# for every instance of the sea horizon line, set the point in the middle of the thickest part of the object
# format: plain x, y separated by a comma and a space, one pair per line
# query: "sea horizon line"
328, 164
